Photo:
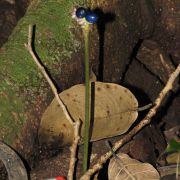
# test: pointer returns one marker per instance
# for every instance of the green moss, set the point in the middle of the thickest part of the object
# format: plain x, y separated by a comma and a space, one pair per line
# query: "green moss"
54, 40
11, 112
54, 43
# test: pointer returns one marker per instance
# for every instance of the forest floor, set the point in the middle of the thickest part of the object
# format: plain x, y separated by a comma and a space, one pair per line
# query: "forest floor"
48, 164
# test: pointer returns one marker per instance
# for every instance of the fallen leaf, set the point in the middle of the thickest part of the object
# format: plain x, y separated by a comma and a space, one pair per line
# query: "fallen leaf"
113, 112
127, 168
173, 158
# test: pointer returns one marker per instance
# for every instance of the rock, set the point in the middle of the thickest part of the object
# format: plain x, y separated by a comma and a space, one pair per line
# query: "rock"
148, 145
10, 13
143, 82
167, 26
172, 117
149, 55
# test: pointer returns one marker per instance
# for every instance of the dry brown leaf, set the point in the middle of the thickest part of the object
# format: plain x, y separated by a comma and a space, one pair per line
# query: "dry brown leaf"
173, 158
127, 168
113, 113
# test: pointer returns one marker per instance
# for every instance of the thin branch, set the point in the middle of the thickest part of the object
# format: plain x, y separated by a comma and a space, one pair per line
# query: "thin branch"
144, 122
73, 150
44, 72
75, 124
144, 107
109, 146
167, 170
165, 64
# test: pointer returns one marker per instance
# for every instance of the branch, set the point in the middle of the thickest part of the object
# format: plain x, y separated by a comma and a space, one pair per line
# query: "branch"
166, 66
44, 72
75, 124
73, 150
136, 129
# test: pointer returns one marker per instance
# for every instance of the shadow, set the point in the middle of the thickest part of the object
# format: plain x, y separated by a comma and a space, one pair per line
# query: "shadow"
142, 99
131, 57
25, 163
39, 59
92, 108
103, 173
92, 104
175, 64
104, 18
164, 109
136, 49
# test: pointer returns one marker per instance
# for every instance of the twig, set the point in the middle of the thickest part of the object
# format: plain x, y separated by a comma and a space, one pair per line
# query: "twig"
73, 150
110, 148
167, 170
166, 65
177, 166
75, 124
144, 122
43, 71
144, 107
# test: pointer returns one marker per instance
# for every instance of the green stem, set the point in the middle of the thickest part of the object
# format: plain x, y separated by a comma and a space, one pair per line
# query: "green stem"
87, 99
177, 166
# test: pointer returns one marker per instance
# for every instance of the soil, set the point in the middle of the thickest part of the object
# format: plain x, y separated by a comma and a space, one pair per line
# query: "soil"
142, 71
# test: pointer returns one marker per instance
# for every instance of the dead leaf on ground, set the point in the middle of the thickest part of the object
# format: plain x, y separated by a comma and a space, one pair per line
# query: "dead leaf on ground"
173, 158
113, 112
127, 168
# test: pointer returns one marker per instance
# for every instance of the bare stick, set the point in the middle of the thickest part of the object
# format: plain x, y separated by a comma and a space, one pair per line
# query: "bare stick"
144, 107
76, 125
144, 122
73, 150
43, 71
166, 65
167, 170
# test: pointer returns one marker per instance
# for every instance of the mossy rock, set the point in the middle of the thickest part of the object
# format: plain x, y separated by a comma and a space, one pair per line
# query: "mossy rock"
21, 83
